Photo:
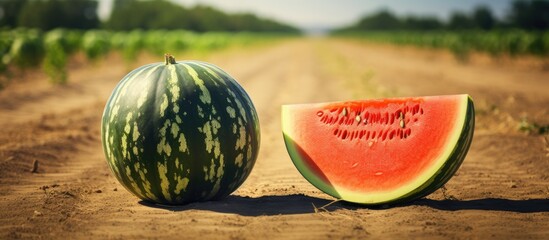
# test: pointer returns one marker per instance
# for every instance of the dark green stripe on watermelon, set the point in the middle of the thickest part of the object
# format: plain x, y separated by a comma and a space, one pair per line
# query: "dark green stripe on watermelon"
178, 133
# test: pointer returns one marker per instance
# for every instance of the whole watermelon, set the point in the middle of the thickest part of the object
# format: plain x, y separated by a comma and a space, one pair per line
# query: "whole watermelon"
180, 132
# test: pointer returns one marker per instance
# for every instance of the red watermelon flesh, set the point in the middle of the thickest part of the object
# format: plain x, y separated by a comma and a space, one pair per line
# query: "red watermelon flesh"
379, 151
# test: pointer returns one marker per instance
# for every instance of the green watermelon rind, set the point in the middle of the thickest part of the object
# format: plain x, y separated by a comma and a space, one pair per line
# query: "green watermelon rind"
315, 180
437, 180
454, 161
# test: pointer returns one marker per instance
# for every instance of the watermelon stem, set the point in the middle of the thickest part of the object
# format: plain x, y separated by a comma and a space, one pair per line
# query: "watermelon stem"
169, 59
323, 208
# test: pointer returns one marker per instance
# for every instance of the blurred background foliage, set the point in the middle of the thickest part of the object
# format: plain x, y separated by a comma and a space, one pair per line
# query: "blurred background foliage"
522, 31
522, 14
46, 33
130, 14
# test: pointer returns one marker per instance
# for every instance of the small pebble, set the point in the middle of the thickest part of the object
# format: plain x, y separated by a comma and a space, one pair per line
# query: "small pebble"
34, 168
37, 213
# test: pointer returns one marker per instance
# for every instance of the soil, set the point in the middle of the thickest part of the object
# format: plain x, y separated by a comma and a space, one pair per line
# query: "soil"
54, 181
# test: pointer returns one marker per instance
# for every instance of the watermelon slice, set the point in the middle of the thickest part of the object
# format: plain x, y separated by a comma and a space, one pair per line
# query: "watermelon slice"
379, 151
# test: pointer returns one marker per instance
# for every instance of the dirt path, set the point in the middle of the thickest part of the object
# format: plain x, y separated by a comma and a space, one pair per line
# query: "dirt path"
501, 190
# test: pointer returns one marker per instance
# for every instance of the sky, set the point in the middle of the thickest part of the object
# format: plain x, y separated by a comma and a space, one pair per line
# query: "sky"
325, 14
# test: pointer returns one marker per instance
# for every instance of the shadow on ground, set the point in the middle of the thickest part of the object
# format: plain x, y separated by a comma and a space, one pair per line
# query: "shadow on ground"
301, 204
488, 204
264, 205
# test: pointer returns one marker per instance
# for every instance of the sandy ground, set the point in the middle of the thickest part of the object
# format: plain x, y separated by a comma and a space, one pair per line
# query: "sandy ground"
500, 192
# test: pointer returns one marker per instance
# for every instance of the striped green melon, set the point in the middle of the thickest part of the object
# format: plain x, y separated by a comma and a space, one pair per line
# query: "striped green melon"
179, 132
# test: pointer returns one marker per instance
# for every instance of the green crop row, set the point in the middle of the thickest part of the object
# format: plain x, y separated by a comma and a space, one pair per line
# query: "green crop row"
461, 43
30, 48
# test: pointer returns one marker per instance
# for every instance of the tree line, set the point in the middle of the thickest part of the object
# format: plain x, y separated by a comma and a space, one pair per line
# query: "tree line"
522, 14
129, 15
